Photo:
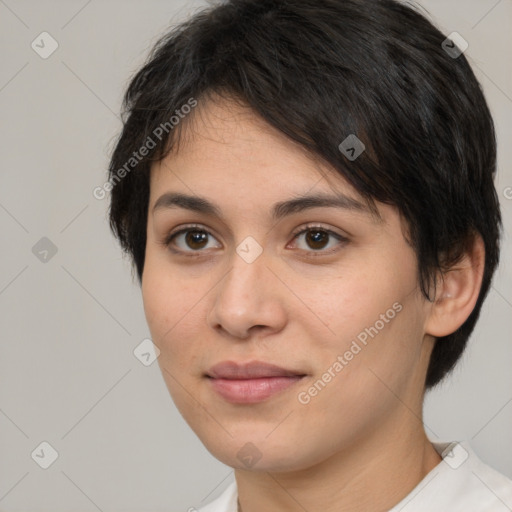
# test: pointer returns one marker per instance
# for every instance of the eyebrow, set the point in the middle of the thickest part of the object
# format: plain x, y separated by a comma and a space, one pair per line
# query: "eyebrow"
279, 210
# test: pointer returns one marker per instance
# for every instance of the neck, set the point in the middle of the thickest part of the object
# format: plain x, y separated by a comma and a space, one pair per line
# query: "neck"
372, 475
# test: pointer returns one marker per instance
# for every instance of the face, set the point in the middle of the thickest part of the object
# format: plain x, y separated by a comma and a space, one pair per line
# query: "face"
288, 330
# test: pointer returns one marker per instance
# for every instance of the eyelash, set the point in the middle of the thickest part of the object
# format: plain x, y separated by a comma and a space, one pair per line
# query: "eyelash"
310, 227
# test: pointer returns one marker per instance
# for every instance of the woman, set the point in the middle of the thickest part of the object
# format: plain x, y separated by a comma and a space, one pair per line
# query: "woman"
306, 190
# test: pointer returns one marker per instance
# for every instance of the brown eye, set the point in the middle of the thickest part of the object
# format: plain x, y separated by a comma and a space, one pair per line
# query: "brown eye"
317, 239
189, 239
196, 239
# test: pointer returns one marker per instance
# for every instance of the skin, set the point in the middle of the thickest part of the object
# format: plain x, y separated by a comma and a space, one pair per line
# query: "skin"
360, 443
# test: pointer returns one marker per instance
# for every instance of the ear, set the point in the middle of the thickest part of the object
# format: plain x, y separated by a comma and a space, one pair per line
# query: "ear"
457, 291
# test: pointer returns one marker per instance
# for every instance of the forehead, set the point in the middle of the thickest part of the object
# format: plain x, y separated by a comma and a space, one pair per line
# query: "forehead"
230, 162
224, 141
225, 134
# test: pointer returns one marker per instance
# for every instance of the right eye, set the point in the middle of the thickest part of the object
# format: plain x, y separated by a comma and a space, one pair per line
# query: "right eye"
194, 237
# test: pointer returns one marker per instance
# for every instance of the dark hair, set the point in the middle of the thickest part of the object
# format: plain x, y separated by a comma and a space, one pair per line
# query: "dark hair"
319, 71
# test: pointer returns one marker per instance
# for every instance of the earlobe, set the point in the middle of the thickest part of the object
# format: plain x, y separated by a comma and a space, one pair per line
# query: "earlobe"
457, 291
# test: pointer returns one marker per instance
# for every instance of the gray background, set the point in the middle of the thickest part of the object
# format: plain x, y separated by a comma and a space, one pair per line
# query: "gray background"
68, 373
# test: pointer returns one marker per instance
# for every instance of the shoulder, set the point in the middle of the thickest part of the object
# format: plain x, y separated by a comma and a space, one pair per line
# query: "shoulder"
492, 487
461, 482
226, 502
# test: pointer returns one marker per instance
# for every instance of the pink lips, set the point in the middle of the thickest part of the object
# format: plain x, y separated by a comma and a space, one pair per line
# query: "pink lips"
252, 382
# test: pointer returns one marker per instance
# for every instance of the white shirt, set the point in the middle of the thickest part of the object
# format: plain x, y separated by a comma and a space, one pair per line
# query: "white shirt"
461, 482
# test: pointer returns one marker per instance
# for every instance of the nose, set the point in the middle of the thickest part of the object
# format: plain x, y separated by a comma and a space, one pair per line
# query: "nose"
249, 299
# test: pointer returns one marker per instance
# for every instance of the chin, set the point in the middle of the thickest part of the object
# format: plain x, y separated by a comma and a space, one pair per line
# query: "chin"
260, 453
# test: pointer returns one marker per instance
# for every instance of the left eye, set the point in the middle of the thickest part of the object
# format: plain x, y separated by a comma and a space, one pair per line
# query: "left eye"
318, 238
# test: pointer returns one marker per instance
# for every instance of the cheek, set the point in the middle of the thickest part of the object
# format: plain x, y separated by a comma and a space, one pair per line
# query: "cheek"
175, 310
357, 383
373, 315
158, 304
172, 320
168, 306
336, 310
380, 359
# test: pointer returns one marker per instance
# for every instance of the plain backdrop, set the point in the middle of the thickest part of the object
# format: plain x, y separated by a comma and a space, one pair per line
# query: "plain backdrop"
71, 317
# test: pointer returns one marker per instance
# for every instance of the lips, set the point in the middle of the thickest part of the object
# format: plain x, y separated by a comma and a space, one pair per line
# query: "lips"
251, 370
251, 382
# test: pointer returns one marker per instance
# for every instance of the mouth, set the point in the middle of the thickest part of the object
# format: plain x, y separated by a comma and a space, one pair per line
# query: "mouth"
253, 382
